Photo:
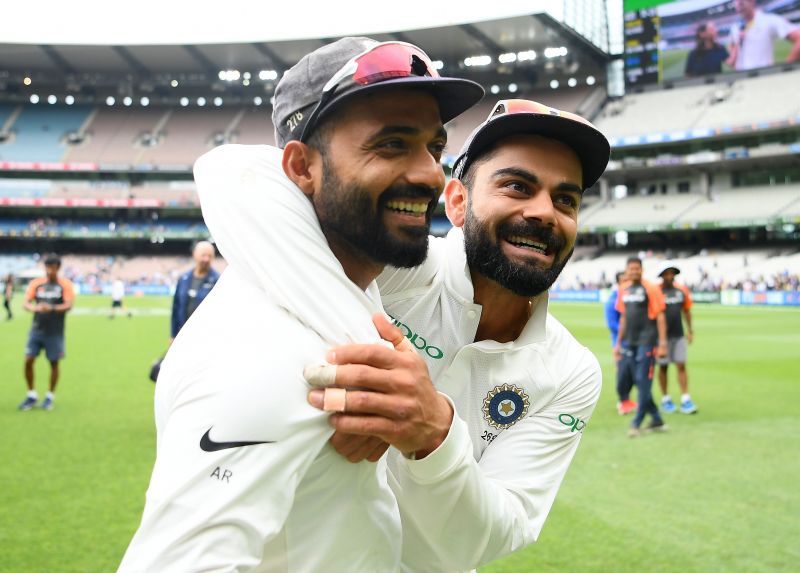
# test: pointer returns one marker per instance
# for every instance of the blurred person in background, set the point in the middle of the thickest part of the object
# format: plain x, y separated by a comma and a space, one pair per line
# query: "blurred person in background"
644, 327
8, 293
49, 298
752, 41
193, 286
678, 302
117, 298
624, 374
708, 54
191, 289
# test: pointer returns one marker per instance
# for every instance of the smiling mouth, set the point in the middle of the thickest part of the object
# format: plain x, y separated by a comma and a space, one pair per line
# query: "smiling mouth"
528, 243
413, 208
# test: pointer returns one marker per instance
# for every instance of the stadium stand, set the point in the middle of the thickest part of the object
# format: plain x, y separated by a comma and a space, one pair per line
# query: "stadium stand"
742, 102
39, 132
640, 211
750, 203
707, 270
113, 136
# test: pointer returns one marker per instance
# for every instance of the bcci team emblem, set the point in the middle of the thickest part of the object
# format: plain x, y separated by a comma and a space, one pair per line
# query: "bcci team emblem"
504, 405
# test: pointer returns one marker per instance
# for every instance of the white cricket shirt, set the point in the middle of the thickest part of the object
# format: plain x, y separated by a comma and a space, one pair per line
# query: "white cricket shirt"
284, 500
756, 40
521, 407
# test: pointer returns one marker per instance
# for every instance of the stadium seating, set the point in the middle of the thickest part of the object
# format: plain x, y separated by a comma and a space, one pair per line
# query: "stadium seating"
743, 204
705, 270
113, 136
39, 132
639, 211
745, 102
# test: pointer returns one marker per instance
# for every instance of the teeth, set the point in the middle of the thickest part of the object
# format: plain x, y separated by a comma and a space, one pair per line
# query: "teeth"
415, 207
519, 240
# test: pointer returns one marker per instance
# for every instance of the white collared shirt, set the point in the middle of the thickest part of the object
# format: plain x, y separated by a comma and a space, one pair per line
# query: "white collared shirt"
522, 408
235, 374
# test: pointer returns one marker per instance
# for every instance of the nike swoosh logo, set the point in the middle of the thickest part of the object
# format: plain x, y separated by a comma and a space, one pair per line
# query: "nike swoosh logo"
209, 445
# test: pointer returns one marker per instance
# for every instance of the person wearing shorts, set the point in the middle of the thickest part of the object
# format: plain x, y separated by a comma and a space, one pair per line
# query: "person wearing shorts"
678, 309
49, 298
117, 296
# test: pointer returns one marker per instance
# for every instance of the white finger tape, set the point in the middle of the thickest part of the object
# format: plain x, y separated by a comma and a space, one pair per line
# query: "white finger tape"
320, 375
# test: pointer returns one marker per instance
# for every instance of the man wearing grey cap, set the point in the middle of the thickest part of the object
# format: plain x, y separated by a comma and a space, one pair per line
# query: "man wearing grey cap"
475, 311
245, 479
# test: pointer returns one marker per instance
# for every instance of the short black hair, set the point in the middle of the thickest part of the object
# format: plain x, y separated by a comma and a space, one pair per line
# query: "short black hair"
619, 275
52, 259
633, 260
468, 179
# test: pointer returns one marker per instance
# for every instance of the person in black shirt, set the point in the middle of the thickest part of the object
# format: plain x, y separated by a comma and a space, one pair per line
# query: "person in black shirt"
708, 55
49, 298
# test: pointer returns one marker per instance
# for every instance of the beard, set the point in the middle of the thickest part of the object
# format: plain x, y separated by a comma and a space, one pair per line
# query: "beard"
348, 213
486, 257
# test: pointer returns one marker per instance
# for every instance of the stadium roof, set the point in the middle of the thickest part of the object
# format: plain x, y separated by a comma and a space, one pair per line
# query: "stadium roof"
535, 49
160, 22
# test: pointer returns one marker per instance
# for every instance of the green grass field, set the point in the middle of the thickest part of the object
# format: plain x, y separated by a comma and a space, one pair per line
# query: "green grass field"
717, 493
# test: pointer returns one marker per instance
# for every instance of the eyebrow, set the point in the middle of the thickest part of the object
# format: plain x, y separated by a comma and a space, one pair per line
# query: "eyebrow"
405, 130
533, 180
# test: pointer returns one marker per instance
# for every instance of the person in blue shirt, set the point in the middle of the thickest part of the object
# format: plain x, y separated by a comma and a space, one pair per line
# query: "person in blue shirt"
193, 286
708, 55
624, 376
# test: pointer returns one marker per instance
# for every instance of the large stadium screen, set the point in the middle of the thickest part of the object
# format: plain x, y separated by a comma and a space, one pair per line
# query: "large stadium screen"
668, 40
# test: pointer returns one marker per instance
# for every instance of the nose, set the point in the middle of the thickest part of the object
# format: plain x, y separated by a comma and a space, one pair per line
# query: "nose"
540, 208
424, 169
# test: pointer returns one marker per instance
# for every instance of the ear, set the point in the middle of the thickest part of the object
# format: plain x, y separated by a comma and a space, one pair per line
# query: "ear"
300, 164
455, 202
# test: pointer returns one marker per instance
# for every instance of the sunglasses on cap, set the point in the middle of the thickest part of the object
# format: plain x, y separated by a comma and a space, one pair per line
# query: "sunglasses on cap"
385, 61
511, 106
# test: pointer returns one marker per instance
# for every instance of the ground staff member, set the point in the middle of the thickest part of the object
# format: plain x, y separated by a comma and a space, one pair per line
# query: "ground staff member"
244, 478
642, 326
678, 302
49, 298
476, 313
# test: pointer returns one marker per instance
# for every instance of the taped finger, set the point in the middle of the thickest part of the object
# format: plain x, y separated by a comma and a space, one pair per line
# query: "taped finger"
334, 400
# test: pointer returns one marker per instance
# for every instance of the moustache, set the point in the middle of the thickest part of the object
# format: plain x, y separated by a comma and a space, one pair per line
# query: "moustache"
541, 233
409, 192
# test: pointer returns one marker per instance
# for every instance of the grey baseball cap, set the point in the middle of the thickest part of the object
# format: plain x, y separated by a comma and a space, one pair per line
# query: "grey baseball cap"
527, 117
330, 75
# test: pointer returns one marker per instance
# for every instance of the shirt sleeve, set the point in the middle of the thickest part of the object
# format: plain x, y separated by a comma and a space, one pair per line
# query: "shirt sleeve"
687, 297
264, 225
459, 513
655, 300
68, 290
620, 306
235, 438
781, 26
612, 314
30, 292
175, 319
